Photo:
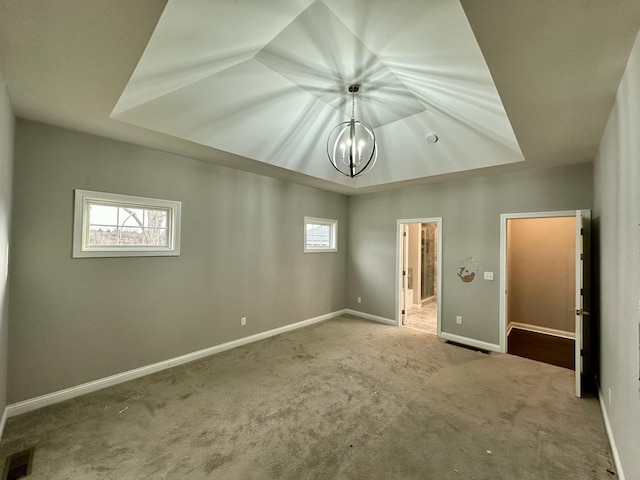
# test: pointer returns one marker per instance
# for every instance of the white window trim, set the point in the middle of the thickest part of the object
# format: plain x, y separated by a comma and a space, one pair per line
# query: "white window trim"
334, 234
81, 247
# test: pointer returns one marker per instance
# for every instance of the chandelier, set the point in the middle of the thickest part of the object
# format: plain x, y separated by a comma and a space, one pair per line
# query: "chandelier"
351, 145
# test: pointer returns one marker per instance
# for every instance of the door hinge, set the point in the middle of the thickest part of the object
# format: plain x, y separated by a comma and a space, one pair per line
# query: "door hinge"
582, 292
582, 231
402, 312
404, 234
581, 256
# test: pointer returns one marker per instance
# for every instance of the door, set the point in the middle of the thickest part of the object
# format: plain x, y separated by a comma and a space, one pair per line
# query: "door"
428, 240
405, 270
583, 238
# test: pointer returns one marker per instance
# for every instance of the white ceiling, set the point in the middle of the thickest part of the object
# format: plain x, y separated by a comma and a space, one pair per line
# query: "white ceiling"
258, 85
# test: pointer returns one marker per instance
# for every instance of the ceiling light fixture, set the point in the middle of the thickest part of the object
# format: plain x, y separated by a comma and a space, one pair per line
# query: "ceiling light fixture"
351, 145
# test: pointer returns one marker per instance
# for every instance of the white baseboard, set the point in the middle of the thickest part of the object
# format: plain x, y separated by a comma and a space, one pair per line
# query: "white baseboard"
368, 316
537, 329
492, 347
612, 441
447, 336
3, 421
72, 392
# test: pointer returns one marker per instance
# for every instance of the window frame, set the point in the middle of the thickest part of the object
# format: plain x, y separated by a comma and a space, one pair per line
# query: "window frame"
81, 247
333, 241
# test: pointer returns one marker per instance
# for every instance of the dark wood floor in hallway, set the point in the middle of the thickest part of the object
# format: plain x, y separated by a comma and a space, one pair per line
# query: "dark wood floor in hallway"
542, 347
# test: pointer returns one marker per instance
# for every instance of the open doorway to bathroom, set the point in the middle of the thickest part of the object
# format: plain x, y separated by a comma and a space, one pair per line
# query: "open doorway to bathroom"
419, 252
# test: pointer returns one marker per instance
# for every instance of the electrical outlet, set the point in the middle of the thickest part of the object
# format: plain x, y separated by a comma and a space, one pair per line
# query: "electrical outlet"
609, 395
243, 321
359, 299
459, 320
488, 275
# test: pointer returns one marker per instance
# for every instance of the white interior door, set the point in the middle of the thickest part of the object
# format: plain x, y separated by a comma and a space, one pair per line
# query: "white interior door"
583, 229
405, 270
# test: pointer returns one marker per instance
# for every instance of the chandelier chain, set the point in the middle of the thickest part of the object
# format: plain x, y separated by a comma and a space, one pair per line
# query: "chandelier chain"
353, 105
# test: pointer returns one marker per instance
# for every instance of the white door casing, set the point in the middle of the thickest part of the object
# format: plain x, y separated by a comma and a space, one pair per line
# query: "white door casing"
402, 266
583, 229
581, 278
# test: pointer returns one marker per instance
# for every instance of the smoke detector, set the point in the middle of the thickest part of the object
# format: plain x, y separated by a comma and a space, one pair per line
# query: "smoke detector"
432, 138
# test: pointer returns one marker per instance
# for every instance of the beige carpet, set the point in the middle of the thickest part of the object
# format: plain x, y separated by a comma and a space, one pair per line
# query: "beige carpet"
344, 399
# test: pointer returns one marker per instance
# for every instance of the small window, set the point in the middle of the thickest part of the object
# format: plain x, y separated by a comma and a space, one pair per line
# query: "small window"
320, 235
113, 225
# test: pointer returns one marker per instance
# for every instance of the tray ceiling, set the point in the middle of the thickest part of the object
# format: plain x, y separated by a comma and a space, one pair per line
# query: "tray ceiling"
257, 86
268, 81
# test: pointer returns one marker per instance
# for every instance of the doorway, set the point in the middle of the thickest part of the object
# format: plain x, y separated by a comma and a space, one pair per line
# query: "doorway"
544, 292
419, 260
541, 289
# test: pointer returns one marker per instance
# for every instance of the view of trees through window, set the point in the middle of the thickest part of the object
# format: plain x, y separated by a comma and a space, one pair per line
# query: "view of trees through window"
123, 225
318, 235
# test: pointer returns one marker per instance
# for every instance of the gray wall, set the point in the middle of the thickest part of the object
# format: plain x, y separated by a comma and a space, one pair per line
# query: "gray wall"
617, 215
470, 214
77, 320
6, 166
